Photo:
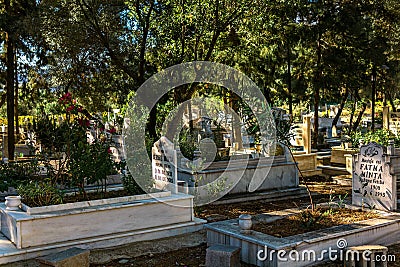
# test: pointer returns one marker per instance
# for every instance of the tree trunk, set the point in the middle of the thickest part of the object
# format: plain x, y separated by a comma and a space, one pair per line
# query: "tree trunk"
392, 102
152, 123
317, 83
357, 122
373, 93
143, 44
353, 110
10, 87
289, 81
16, 110
342, 103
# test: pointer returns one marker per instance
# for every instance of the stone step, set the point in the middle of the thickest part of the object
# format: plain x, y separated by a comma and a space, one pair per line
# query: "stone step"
333, 170
223, 256
71, 257
344, 180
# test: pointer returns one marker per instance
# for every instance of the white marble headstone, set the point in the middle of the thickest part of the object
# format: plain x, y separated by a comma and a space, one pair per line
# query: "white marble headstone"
164, 167
374, 186
394, 123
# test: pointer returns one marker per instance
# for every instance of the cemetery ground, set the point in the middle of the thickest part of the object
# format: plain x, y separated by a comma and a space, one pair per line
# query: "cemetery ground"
195, 256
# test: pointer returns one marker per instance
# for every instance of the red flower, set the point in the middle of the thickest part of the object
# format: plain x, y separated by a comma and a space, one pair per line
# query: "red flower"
65, 98
80, 109
83, 122
109, 151
112, 130
70, 108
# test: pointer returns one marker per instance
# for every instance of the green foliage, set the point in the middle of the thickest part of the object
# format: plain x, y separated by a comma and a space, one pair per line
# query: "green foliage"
309, 219
283, 134
216, 187
130, 183
40, 193
14, 173
187, 143
89, 163
137, 156
80, 161
380, 136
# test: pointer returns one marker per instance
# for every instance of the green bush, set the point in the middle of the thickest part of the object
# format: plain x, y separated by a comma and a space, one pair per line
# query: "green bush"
79, 160
380, 136
14, 173
187, 143
131, 185
40, 193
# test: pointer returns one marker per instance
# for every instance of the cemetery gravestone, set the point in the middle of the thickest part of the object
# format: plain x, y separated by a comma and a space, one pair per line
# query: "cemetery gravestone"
307, 133
394, 123
374, 181
118, 148
391, 121
164, 165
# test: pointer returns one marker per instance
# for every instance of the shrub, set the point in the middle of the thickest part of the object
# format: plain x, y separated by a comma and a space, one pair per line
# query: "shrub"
80, 160
380, 136
12, 174
40, 193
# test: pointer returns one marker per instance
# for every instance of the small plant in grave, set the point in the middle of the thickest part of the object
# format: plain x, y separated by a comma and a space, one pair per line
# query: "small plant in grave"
339, 203
40, 193
310, 218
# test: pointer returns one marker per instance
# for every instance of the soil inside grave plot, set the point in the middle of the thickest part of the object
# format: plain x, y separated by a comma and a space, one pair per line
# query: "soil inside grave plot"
322, 192
308, 221
72, 198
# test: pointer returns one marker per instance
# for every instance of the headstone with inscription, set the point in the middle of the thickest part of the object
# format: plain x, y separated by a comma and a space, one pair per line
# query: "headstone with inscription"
374, 178
164, 167
394, 123
391, 120
117, 149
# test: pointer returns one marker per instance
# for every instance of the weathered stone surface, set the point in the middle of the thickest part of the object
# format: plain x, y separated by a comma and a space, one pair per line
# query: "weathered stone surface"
391, 120
307, 134
37, 229
216, 217
69, 258
260, 249
123, 261
337, 155
223, 256
368, 255
374, 178
164, 165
